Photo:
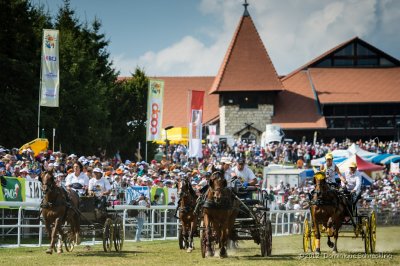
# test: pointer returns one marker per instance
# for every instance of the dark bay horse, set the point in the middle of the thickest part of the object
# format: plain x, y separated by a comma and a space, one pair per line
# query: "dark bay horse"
56, 211
219, 213
327, 209
187, 215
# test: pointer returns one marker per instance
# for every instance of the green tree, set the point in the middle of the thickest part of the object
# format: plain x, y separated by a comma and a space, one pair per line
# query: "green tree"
20, 42
128, 108
86, 75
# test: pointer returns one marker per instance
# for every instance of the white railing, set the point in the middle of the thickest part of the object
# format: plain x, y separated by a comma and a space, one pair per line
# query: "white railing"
159, 223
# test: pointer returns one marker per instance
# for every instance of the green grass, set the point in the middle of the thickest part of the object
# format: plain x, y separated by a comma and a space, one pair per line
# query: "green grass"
286, 250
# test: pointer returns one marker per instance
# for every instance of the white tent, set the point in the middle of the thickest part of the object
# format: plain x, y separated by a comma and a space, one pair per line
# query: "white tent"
341, 155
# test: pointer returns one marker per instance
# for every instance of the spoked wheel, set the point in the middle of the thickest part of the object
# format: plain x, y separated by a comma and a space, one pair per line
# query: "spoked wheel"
108, 232
313, 241
372, 231
266, 239
118, 234
180, 238
366, 235
306, 236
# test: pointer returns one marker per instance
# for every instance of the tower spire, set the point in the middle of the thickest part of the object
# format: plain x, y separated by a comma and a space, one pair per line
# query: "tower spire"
246, 13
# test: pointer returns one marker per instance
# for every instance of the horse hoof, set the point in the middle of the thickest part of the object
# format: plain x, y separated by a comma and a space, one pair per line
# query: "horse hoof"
330, 244
189, 250
49, 251
334, 252
223, 256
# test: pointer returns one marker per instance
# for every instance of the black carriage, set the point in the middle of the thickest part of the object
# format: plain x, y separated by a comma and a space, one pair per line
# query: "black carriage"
360, 225
97, 222
252, 222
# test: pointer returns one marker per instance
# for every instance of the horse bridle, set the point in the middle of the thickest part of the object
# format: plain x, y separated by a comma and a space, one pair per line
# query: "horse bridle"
49, 187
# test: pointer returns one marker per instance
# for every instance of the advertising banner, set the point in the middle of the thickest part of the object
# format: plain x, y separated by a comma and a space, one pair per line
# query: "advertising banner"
50, 71
133, 193
154, 110
195, 125
212, 129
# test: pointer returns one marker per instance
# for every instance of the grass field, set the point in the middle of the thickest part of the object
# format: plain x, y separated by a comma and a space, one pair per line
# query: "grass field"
286, 250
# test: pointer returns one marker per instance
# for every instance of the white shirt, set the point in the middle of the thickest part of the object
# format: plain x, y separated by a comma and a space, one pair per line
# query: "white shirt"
82, 179
246, 175
99, 186
353, 181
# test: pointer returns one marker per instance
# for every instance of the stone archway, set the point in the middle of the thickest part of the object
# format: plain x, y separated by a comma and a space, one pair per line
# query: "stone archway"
249, 137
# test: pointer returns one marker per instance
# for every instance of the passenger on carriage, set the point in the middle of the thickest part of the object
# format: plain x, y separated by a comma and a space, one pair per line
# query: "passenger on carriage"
77, 180
100, 188
331, 170
352, 184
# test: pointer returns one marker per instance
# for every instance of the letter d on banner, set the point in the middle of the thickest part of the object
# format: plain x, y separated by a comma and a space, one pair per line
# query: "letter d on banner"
155, 110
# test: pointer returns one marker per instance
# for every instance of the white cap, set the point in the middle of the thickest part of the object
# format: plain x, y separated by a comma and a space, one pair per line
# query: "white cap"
97, 170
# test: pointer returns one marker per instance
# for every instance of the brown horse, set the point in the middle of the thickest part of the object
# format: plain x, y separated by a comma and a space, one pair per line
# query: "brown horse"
219, 213
56, 211
187, 215
327, 209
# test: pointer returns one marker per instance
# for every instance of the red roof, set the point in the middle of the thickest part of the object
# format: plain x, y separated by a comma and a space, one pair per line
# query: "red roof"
247, 65
176, 97
296, 107
356, 85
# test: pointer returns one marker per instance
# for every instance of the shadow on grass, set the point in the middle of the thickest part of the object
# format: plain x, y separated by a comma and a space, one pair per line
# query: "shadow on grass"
272, 257
99, 253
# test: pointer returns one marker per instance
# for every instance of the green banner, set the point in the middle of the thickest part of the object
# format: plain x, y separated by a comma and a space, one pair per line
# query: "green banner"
14, 190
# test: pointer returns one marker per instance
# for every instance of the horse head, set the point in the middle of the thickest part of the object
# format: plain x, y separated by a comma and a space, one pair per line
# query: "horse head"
321, 186
217, 184
48, 182
183, 188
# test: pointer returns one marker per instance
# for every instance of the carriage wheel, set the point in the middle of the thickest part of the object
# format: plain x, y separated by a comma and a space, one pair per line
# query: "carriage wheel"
118, 234
366, 235
69, 241
306, 236
108, 231
203, 240
268, 238
313, 241
372, 231
180, 238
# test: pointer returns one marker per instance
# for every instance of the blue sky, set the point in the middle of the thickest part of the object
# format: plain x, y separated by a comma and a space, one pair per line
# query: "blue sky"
190, 37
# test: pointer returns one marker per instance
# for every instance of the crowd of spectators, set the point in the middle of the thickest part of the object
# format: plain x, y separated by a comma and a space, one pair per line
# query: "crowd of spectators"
175, 164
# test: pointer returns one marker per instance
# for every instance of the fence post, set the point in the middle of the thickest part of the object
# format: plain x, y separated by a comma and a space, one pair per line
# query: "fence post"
152, 223
40, 232
19, 226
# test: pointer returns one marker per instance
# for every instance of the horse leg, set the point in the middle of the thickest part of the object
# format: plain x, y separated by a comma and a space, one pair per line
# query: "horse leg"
223, 242
317, 237
49, 231
209, 252
336, 238
191, 232
54, 232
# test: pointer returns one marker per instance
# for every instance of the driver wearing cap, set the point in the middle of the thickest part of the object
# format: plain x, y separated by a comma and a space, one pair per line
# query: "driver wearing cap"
353, 183
244, 174
331, 170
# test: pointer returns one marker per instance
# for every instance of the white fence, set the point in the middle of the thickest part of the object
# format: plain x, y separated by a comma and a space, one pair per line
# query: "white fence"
160, 224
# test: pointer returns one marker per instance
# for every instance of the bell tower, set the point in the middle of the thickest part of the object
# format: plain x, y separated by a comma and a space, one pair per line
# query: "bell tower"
247, 84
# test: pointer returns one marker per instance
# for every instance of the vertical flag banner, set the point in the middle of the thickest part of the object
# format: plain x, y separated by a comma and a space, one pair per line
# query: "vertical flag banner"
50, 71
195, 125
154, 110
212, 129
